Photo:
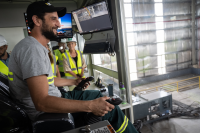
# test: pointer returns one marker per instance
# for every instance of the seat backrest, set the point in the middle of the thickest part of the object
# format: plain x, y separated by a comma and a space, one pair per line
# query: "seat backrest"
4, 87
12, 117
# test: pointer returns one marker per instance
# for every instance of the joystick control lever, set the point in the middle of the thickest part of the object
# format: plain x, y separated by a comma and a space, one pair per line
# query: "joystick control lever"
114, 101
79, 87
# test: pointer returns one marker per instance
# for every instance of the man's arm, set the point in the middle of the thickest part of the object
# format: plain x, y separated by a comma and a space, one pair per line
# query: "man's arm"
65, 82
38, 87
60, 82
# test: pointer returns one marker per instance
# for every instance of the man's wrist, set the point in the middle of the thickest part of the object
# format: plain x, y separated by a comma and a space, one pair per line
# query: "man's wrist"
75, 82
89, 106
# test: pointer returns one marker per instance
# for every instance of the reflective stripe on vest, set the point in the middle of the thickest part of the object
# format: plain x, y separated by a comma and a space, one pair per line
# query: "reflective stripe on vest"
3, 68
123, 126
60, 59
56, 58
50, 80
10, 76
72, 66
53, 66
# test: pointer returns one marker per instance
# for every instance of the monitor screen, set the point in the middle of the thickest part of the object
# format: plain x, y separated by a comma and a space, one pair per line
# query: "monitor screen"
93, 18
65, 31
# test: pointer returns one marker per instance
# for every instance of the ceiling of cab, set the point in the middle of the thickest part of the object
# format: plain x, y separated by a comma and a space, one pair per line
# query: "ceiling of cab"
79, 3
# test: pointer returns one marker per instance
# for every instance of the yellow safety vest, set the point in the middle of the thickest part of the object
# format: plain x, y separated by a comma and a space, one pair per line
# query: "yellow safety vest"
53, 65
60, 59
72, 66
49, 78
3, 68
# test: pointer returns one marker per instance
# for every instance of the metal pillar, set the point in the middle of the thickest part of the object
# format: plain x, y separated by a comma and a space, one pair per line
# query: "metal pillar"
194, 61
122, 51
77, 42
90, 68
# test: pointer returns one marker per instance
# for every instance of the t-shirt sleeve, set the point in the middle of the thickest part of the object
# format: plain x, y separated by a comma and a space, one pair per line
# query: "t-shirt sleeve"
33, 62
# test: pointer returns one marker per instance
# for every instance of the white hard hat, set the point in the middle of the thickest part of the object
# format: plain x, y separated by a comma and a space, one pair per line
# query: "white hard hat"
63, 40
3, 41
71, 39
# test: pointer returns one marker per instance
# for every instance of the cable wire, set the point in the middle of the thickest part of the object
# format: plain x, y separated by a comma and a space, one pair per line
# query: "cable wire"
90, 36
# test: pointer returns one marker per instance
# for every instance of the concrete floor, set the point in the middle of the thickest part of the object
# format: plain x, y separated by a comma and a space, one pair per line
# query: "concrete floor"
178, 125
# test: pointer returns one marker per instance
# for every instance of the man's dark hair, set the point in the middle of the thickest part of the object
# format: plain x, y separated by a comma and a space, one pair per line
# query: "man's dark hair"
31, 23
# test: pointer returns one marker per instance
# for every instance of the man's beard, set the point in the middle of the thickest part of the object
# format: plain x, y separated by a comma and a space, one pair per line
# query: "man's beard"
3, 54
47, 32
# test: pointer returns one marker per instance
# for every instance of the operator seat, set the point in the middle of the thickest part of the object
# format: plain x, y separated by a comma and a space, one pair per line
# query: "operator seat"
14, 119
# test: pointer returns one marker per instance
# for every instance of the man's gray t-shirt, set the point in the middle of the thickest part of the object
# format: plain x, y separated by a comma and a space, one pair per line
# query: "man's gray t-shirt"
29, 58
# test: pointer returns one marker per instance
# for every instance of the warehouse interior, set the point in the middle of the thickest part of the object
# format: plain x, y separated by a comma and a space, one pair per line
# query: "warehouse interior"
159, 32
156, 46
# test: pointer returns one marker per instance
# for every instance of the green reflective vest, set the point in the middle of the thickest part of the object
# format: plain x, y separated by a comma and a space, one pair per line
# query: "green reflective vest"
72, 65
60, 59
49, 78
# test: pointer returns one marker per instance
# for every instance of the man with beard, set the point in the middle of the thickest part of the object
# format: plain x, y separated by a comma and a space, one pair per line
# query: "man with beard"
4, 56
32, 84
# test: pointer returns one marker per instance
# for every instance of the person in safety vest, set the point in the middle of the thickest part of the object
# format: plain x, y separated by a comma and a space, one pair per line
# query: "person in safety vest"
73, 62
33, 85
54, 63
4, 56
58, 53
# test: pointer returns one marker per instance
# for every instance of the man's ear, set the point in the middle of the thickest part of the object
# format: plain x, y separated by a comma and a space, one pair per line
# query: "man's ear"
36, 20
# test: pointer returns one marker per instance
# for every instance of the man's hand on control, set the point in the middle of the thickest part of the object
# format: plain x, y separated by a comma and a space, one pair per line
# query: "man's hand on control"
100, 107
85, 86
77, 81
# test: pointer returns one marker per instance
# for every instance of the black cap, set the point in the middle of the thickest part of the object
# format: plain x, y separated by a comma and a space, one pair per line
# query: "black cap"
38, 7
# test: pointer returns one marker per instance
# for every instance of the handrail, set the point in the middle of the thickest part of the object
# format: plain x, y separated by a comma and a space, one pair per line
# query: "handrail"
175, 86
188, 85
188, 79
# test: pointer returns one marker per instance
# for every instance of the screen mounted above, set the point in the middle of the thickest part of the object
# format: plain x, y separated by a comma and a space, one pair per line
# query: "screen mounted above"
93, 18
